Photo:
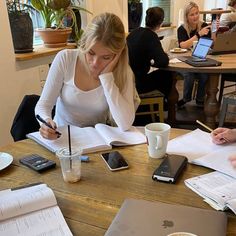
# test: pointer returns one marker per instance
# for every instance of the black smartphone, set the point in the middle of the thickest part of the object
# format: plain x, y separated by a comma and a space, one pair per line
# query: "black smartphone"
37, 163
170, 168
115, 161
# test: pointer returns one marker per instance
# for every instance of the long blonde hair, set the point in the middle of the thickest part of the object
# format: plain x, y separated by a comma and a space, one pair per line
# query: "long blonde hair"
187, 9
108, 29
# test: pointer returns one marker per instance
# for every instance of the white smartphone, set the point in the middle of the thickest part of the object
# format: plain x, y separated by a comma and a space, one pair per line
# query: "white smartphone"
115, 161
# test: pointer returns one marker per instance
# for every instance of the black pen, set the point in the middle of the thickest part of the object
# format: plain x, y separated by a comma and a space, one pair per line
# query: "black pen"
45, 122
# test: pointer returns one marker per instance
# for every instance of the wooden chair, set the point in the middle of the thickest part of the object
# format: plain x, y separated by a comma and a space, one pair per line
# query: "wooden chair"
224, 78
228, 99
155, 101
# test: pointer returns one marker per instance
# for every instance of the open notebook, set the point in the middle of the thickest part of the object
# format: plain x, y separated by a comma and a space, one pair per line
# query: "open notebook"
90, 139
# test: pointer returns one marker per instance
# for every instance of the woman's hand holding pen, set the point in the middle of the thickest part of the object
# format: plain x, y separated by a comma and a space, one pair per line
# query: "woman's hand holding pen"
47, 132
223, 135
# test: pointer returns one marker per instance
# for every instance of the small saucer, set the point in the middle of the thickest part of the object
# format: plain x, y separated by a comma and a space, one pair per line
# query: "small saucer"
178, 50
5, 160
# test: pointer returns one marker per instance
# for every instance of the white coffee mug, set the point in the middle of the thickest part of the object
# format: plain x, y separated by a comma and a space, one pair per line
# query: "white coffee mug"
181, 234
157, 135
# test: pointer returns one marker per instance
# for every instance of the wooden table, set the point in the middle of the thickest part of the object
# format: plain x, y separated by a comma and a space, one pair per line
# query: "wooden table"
211, 106
90, 205
213, 13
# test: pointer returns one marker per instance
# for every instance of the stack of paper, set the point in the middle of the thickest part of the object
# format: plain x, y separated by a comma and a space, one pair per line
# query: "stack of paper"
217, 189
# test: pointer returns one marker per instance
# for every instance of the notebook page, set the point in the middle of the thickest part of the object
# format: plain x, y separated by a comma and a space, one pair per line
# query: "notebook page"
116, 137
25, 200
45, 222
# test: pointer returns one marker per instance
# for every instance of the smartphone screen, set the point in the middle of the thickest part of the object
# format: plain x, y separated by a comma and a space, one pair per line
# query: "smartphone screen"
114, 161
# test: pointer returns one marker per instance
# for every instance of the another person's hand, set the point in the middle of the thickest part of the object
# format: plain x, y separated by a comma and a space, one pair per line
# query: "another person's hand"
223, 135
110, 67
204, 31
232, 159
47, 132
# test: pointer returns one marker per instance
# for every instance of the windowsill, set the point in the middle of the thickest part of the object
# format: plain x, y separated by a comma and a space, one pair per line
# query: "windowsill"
41, 51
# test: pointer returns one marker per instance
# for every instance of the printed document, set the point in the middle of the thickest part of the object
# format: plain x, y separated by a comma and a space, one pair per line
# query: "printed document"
31, 211
217, 189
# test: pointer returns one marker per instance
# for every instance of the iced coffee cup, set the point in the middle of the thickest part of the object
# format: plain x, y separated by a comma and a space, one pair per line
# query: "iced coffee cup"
70, 164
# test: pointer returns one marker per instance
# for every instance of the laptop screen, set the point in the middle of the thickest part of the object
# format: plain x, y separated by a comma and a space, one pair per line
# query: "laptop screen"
202, 47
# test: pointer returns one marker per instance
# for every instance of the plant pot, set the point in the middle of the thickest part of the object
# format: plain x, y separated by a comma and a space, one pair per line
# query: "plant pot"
135, 11
22, 32
54, 38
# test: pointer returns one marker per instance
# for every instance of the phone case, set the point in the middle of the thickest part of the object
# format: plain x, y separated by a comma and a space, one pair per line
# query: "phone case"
170, 168
37, 163
115, 161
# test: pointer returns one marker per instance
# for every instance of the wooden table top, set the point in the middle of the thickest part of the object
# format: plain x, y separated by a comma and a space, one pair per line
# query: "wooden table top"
90, 205
228, 64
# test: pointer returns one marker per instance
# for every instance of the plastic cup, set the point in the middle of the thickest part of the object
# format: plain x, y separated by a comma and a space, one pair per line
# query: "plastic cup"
70, 164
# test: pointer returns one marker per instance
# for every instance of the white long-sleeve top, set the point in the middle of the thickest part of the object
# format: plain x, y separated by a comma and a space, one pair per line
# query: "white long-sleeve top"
84, 108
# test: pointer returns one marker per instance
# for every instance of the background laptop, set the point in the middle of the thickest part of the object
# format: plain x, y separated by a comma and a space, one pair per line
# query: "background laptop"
224, 43
199, 54
140, 217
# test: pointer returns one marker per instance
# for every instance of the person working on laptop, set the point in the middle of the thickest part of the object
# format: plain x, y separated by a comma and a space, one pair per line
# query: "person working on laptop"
145, 51
222, 136
190, 31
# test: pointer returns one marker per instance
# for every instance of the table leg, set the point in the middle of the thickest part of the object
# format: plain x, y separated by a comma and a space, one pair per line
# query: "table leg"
211, 106
172, 100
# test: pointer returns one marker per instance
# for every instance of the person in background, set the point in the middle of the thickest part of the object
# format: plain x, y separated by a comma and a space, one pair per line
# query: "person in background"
146, 52
227, 18
92, 84
222, 136
191, 31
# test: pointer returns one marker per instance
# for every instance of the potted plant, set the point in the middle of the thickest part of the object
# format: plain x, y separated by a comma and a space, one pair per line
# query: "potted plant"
54, 14
135, 12
21, 25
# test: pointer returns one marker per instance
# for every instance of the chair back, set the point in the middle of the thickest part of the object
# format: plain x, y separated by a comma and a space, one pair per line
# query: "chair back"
25, 121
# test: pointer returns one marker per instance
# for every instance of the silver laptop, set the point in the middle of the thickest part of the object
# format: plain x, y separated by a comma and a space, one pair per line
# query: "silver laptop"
144, 218
224, 43
199, 55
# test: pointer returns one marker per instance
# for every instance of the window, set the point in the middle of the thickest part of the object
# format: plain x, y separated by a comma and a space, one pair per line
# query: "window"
37, 23
165, 4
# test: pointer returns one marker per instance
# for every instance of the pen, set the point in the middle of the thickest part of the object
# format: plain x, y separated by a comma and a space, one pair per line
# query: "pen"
205, 126
210, 129
45, 122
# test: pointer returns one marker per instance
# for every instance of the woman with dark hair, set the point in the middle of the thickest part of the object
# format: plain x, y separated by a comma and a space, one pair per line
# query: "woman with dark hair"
146, 52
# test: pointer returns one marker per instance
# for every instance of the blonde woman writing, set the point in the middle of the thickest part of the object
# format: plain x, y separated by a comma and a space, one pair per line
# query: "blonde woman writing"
92, 84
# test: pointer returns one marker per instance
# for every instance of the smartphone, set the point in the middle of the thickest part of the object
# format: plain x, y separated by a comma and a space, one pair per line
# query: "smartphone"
37, 163
170, 168
115, 161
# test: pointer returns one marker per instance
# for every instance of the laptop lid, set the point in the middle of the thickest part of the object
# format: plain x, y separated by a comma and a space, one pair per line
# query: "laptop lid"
225, 43
140, 217
202, 48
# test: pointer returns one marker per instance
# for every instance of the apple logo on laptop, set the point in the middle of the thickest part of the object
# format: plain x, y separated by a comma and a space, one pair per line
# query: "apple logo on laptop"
167, 223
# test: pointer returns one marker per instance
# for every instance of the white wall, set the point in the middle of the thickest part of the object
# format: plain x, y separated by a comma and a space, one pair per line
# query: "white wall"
118, 7
13, 84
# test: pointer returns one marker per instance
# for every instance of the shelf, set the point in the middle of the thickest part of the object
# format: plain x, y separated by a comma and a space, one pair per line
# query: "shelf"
41, 51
